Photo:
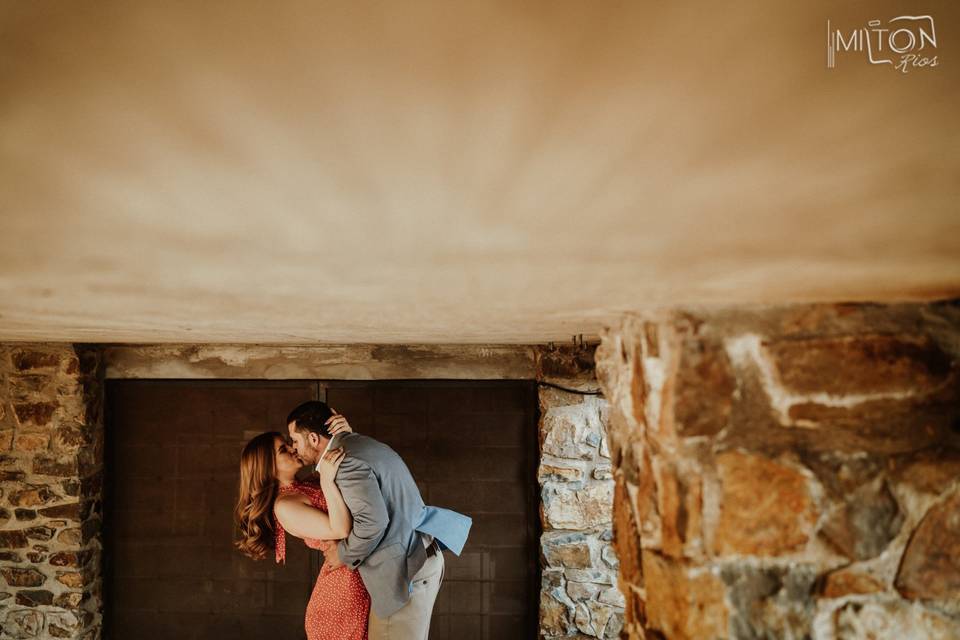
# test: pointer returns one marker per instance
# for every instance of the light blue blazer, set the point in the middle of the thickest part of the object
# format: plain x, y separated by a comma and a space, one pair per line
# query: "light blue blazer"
448, 528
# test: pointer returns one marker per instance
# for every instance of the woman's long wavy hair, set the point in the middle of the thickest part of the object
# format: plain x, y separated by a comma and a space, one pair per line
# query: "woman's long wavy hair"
258, 491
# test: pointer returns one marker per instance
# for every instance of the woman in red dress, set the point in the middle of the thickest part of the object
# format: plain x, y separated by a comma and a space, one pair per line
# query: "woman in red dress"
273, 502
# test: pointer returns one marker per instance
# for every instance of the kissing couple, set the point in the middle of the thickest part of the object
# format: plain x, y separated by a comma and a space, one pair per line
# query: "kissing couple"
382, 546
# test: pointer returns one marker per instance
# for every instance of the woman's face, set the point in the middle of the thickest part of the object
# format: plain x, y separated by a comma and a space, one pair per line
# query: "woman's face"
286, 461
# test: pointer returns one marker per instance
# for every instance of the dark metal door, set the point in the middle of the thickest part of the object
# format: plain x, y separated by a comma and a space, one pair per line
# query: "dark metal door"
173, 470
172, 474
472, 447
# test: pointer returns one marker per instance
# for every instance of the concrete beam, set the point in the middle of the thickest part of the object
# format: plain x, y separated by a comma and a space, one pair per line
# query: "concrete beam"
323, 362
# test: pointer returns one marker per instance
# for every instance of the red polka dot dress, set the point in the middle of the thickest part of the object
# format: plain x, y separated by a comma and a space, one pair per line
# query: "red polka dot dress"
339, 607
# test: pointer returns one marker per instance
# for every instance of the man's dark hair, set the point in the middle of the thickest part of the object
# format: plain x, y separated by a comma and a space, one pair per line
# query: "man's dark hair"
311, 416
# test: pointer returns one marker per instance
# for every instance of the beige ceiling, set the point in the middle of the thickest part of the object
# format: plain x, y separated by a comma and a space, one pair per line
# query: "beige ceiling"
458, 172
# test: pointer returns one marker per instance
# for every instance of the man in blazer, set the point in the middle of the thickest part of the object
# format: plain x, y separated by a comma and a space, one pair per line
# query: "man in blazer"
396, 543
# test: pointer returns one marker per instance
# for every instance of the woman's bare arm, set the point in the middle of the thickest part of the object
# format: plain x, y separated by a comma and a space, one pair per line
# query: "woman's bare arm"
341, 522
306, 521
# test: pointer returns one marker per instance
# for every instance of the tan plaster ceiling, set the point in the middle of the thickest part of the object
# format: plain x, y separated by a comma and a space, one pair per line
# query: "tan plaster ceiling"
458, 172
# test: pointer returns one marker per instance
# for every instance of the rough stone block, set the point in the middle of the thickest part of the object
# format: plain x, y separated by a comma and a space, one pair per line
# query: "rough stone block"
15, 539
930, 471
859, 364
68, 559
704, 389
772, 602
70, 537
766, 508
565, 435
69, 600
551, 398
91, 527
570, 550
892, 619
930, 568
72, 487
579, 591
563, 473
683, 603
28, 360
34, 598
612, 597
882, 425
31, 442
68, 439
34, 414
71, 511
19, 577
24, 623
63, 624
603, 472
567, 362
556, 613
59, 467
626, 535
609, 556
72, 579
679, 503
592, 619
865, 523
40, 533
849, 581
598, 576
566, 508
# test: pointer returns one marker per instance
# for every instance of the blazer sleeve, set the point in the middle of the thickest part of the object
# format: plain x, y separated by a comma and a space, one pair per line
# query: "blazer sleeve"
361, 492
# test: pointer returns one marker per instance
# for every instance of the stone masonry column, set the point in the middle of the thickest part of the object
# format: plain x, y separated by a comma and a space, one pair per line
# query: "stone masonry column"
51, 453
579, 597
787, 472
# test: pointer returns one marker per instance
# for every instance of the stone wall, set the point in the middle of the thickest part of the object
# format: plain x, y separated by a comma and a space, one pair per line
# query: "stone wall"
51, 450
579, 595
787, 473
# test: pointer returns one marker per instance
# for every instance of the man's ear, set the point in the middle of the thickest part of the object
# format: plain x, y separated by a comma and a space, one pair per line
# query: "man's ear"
313, 439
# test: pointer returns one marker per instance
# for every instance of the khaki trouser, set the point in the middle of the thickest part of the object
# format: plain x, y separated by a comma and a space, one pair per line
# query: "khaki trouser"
412, 622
